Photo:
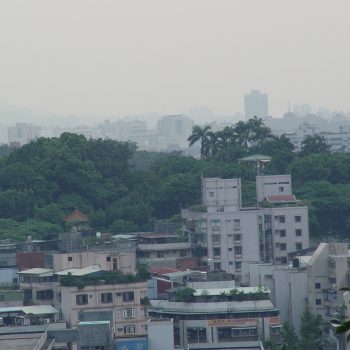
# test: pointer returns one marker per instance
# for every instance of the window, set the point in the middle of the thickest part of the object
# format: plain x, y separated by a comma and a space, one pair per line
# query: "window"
160, 254
280, 189
238, 265
70, 258
318, 301
298, 246
237, 237
283, 246
230, 263
183, 253
297, 218
129, 329
196, 335
44, 294
216, 239
129, 313
298, 232
108, 258
81, 299
267, 219
211, 194
282, 219
217, 251
215, 224
236, 224
128, 296
221, 208
317, 285
282, 233
238, 250
106, 297
230, 249
217, 266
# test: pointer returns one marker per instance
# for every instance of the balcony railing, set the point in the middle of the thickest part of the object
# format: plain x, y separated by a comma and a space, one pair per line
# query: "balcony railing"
164, 246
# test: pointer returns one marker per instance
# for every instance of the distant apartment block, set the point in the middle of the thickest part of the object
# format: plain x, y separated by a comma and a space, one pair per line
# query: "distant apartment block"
255, 105
22, 133
337, 141
225, 234
172, 133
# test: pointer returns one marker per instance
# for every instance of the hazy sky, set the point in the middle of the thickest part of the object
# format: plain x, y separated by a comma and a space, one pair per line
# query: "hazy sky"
127, 57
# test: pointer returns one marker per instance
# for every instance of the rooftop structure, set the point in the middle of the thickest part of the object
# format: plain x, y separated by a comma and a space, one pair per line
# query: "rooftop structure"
220, 318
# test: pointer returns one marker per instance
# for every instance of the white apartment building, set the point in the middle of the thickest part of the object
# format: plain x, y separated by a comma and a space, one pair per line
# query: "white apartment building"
226, 234
338, 141
315, 279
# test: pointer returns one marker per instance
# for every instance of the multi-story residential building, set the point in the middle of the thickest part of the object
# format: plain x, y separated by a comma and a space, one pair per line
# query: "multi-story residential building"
162, 249
313, 277
225, 233
128, 301
220, 315
8, 263
172, 133
75, 290
255, 105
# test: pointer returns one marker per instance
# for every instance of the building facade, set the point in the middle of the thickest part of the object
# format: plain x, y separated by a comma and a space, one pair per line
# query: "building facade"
221, 317
255, 105
225, 233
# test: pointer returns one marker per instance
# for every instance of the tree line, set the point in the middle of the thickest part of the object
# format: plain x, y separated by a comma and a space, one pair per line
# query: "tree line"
122, 189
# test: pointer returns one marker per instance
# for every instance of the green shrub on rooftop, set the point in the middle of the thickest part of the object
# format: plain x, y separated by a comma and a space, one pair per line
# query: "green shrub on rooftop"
101, 277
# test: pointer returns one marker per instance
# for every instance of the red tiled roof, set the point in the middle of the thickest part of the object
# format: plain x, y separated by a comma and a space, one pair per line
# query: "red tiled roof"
76, 216
281, 198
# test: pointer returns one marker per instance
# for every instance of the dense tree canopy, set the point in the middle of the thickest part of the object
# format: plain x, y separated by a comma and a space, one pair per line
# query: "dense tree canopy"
122, 189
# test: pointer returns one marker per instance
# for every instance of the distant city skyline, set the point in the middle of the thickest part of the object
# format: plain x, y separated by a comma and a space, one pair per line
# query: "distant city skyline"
129, 58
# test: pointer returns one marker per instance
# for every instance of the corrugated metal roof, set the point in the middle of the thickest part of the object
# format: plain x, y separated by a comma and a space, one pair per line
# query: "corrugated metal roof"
80, 272
37, 271
34, 310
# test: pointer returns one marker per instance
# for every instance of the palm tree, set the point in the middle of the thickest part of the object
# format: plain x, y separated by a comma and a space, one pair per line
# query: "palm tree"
226, 136
212, 143
258, 132
200, 134
242, 134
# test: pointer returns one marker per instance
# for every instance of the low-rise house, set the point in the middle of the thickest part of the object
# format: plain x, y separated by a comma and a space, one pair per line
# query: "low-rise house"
38, 285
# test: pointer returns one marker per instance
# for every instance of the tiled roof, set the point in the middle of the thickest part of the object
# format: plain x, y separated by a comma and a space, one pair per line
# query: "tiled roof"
281, 198
76, 216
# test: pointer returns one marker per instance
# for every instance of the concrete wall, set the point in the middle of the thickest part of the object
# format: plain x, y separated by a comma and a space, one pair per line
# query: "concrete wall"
160, 335
124, 261
273, 185
8, 275
221, 192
